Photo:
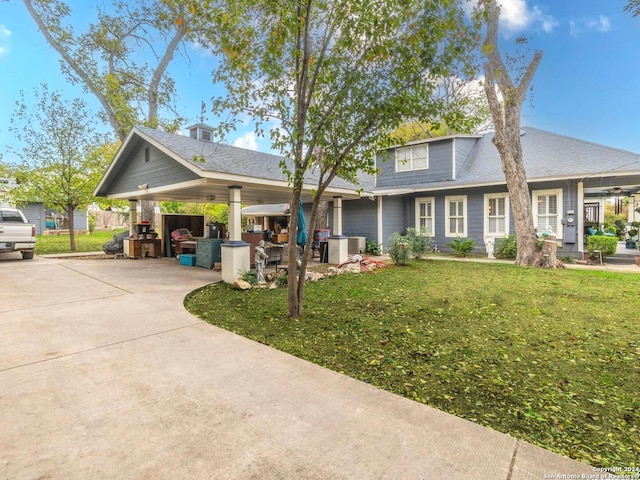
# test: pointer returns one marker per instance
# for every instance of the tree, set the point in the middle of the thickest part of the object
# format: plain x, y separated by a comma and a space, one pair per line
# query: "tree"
122, 59
217, 212
60, 165
633, 7
506, 120
339, 76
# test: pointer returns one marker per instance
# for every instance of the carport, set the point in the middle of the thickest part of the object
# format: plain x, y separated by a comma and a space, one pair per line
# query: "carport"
156, 165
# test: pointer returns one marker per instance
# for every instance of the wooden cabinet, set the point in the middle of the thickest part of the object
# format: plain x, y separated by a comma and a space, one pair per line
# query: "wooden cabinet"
208, 252
143, 248
280, 237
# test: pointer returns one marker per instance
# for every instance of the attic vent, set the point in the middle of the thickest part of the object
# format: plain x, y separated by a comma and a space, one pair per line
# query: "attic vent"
202, 132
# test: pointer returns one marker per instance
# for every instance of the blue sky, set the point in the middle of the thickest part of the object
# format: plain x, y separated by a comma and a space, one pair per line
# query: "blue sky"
587, 86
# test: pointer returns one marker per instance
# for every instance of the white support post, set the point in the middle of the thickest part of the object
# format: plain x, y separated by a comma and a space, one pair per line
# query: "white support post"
235, 254
580, 219
133, 216
338, 243
235, 214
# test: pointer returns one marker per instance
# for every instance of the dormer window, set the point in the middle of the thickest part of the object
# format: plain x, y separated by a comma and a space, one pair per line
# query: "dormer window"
202, 132
415, 157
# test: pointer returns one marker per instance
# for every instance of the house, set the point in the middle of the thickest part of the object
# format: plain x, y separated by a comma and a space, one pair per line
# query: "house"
454, 186
447, 187
42, 217
155, 165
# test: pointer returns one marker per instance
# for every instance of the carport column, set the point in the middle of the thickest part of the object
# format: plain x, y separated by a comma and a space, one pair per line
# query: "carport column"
133, 216
338, 243
235, 252
580, 215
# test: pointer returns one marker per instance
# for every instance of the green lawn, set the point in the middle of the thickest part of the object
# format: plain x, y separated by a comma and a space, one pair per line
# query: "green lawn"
52, 244
549, 356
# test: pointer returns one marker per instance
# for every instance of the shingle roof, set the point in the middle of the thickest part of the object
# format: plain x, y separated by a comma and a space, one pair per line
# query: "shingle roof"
222, 158
546, 155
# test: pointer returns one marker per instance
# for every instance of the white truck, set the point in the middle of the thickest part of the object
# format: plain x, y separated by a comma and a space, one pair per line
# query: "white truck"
16, 233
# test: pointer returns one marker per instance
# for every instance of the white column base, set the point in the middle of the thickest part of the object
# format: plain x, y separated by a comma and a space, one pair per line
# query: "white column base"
338, 249
235, 260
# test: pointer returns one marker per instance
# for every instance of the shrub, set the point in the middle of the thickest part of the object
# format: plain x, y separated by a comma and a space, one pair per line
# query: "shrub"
420, 244
399, 249
462, 248
250, 277
372, 248
92, 223
606, 245
506, 247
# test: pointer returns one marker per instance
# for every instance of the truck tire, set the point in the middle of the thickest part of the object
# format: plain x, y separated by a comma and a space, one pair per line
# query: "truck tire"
27, 255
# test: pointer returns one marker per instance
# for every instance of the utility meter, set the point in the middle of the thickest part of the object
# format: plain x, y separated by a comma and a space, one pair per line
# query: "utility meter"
570, 227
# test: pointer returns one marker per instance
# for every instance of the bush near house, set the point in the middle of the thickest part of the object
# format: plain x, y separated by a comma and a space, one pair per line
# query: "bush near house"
462, 248
400, 249
606, 245
506, 247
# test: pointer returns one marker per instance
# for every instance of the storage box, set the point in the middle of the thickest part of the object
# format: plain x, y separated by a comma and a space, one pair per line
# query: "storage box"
188, 259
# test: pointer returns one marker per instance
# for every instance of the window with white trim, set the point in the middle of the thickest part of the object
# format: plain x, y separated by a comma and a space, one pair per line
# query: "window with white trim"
455, 212
496, 208
424, 216
412, 158
547, 208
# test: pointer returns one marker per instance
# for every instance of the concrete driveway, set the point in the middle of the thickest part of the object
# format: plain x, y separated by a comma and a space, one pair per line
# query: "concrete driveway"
104, 375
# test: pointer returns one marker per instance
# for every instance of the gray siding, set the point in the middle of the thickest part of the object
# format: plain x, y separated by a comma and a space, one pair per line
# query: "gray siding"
35, 214
359, 219
393, 217
160, 170
475, 212
440, 167
80, 220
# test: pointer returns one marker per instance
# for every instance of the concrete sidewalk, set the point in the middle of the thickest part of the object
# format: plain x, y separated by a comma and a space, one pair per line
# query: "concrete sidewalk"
104, 375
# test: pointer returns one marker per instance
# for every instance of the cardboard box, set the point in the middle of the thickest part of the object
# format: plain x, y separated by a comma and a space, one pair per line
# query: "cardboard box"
188, 260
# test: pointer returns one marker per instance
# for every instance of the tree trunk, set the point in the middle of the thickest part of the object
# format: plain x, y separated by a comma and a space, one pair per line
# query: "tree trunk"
506, 119
548, 254
322, 216
293, 277
148, 212
72, 234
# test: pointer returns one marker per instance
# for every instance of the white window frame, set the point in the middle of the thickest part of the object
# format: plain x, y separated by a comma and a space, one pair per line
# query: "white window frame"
465, 216
534, 207
425, 200
407, 164
487, 198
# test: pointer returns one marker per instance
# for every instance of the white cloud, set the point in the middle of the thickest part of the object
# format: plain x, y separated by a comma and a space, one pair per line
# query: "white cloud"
597, 24
247, 141
600, 24
517, 16
4, 34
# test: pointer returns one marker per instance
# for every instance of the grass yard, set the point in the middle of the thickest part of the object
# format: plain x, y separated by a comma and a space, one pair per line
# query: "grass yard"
552, 357
92, 242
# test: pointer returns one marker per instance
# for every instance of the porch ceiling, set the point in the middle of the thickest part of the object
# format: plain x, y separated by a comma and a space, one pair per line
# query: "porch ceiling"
207, 190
